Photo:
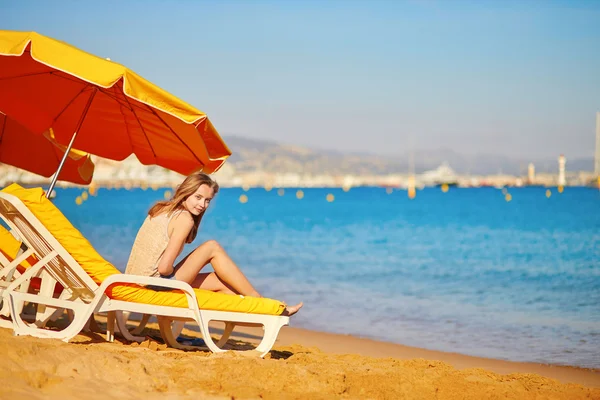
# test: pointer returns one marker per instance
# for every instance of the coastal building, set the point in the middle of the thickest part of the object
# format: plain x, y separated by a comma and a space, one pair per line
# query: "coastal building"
561, 170
597, 154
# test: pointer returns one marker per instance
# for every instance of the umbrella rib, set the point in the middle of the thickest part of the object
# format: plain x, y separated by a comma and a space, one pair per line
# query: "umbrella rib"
25, 75
69, 103
153, 111
102, 89
63, 76
141, 127
115, 98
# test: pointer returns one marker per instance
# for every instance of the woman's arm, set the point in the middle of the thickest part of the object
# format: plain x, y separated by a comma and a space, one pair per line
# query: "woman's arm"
179, 229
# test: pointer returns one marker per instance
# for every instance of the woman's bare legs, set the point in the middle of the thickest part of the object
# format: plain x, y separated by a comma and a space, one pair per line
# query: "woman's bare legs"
211, 281
291, 310
226, 271
227, 277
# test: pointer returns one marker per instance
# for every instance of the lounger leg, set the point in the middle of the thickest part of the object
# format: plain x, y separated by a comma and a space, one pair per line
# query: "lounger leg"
110, 326
226, 333
177, 328
82, 313
168, 331
206, 335
23, 288
141, 325
122, 327
47, 286
4, 310
271, 331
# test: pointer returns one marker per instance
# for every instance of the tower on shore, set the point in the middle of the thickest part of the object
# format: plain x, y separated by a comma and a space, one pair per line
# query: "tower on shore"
561, 170
531, 173
597, 154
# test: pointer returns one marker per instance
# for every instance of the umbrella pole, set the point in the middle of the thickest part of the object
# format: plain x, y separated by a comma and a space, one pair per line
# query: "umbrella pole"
62, 162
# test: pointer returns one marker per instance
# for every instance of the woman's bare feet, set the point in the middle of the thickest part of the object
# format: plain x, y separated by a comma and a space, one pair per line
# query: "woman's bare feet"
291, 310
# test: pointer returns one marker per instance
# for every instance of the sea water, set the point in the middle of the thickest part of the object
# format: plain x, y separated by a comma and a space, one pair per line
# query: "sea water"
464, 271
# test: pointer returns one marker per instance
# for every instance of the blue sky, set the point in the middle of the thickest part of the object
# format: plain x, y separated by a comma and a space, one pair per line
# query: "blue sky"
501, 77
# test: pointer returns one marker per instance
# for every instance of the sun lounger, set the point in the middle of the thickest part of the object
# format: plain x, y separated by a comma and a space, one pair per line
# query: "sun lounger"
92, 285
15, 258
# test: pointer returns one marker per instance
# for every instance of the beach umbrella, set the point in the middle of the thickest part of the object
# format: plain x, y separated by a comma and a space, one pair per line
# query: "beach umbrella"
102, 107
41, 154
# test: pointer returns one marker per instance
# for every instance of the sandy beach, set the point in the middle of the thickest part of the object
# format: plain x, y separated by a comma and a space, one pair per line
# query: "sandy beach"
303, 364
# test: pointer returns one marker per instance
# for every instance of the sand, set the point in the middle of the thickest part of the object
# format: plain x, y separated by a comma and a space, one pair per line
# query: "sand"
303, 364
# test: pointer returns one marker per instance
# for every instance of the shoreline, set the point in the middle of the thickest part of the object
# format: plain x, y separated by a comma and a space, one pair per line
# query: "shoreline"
335, 343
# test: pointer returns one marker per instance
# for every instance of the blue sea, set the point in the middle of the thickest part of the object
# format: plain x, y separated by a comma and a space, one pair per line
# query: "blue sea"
464, 271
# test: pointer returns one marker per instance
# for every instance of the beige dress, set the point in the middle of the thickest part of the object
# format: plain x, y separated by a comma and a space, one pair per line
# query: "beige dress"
150, 245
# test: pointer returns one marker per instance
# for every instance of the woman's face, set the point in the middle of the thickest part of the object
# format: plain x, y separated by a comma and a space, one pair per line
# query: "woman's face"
199, 200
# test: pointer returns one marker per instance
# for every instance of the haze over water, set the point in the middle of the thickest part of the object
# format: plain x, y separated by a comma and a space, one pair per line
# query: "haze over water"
463, 271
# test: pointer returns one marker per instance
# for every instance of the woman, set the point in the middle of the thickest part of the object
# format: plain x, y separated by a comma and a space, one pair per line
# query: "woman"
173, 223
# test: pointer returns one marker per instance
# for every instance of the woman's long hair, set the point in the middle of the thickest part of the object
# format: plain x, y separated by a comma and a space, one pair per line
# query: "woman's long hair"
187, 188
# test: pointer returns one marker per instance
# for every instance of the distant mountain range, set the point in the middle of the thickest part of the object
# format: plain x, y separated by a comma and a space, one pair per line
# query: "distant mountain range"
269, 156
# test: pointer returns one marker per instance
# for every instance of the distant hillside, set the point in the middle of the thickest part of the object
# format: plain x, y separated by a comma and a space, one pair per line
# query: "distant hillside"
252, 154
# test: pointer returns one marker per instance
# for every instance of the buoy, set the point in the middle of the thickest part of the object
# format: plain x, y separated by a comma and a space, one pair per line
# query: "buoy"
346, 188
167, 195
78, 200
330, 197
84, 196
412, 193
508, 197
93, 191
561, 189
389, 190
280, 192
299, 194
548, 193
243, 199
245, 188
445, 187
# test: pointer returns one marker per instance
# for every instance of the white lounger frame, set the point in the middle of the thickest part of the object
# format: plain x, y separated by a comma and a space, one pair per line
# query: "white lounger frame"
84, 297
9, 272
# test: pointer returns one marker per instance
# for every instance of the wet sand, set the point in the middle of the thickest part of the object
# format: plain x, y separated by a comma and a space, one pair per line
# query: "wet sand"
303, 364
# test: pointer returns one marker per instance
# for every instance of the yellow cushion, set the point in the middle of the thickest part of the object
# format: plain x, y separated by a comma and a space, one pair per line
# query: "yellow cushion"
99, 269
9, 246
